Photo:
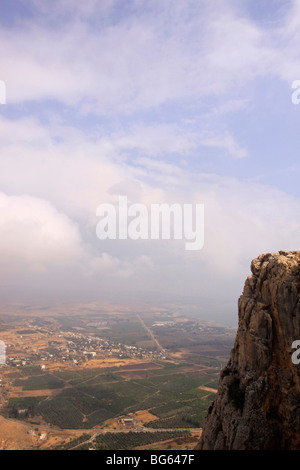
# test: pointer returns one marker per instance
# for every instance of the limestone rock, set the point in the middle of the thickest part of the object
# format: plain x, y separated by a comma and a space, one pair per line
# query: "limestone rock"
257, 406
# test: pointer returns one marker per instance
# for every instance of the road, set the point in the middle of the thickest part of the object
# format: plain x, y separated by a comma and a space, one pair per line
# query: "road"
160, 348
96, 431
95, 434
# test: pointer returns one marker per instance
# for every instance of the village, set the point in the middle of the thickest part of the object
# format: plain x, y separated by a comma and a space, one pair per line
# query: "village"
72, 349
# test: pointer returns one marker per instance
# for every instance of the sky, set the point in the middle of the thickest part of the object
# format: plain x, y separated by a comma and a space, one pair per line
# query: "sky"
162, 101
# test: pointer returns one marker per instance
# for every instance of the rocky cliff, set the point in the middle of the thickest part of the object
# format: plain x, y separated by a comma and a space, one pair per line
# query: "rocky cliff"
257, 406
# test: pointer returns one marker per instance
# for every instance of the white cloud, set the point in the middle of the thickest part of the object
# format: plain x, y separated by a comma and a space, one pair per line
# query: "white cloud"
54, 176
226, 142
74, 173
156, 140
146, 58
35, 236
65, 182
112, 266
66, 9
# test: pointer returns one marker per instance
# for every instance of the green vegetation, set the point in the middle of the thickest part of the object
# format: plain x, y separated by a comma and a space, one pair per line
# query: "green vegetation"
25, 402
212, 384
96, 418
61, 412
131, 440
85, 398
26, 332
97, 379
73, 443
23, 407
86, 404
148, 403
125, 330
39, 382
24, 372
89, 397
168, 409
179, 420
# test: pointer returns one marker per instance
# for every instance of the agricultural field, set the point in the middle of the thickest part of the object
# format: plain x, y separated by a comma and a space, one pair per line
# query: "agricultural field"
132, 440
150, 378
171, 393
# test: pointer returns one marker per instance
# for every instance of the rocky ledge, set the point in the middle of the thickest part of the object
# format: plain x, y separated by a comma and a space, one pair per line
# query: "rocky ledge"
257, 406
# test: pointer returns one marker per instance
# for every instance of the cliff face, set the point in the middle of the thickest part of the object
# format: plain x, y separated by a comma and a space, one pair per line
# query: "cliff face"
257, 406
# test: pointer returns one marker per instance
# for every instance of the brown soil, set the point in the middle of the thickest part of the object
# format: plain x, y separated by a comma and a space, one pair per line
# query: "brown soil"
18, 436
208, 389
